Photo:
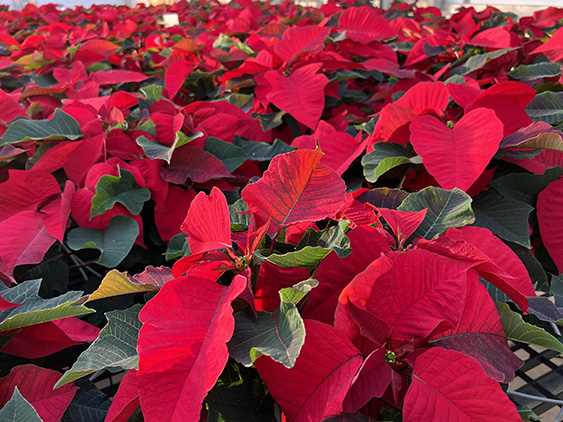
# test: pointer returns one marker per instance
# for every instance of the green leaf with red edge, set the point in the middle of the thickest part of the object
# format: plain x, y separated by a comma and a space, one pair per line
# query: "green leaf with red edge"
316, 386
36, 386
183, 345
116, 283
480, 334
450, 386
294, 189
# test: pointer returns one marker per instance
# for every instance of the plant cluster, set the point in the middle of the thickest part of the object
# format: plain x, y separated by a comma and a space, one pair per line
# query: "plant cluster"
272, 212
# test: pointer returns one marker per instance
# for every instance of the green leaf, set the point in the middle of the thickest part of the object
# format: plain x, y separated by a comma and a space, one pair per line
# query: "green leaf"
384, 157
223, 42
505, 217
261, 151
177, 247
61, 126
239, 221
153, 92
123, 189
5, 339
313, 248
18, 409
533, 266
546, 107
279, 334
245, 48
518, 330
333, 238
528, 414
455, 79
297, 292
496, 294
479, 60
231, 155
384, 197
148, 126
270, 120
115, 348
523, 186
368, 126
244, 400
240, 100
557, 289
158, 151
34, 309
89, 404
535, 70
446, 208
114, 242
519, 154
53, 271
116, 283
548, 140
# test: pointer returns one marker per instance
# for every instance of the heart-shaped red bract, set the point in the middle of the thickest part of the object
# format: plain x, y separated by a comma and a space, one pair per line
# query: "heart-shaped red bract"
457, 157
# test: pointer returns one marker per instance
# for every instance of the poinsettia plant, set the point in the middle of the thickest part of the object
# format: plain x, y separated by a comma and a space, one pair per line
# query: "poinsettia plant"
273, 212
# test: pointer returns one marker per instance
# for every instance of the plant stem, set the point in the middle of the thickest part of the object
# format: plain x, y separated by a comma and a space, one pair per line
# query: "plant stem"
80, 264
76, 262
